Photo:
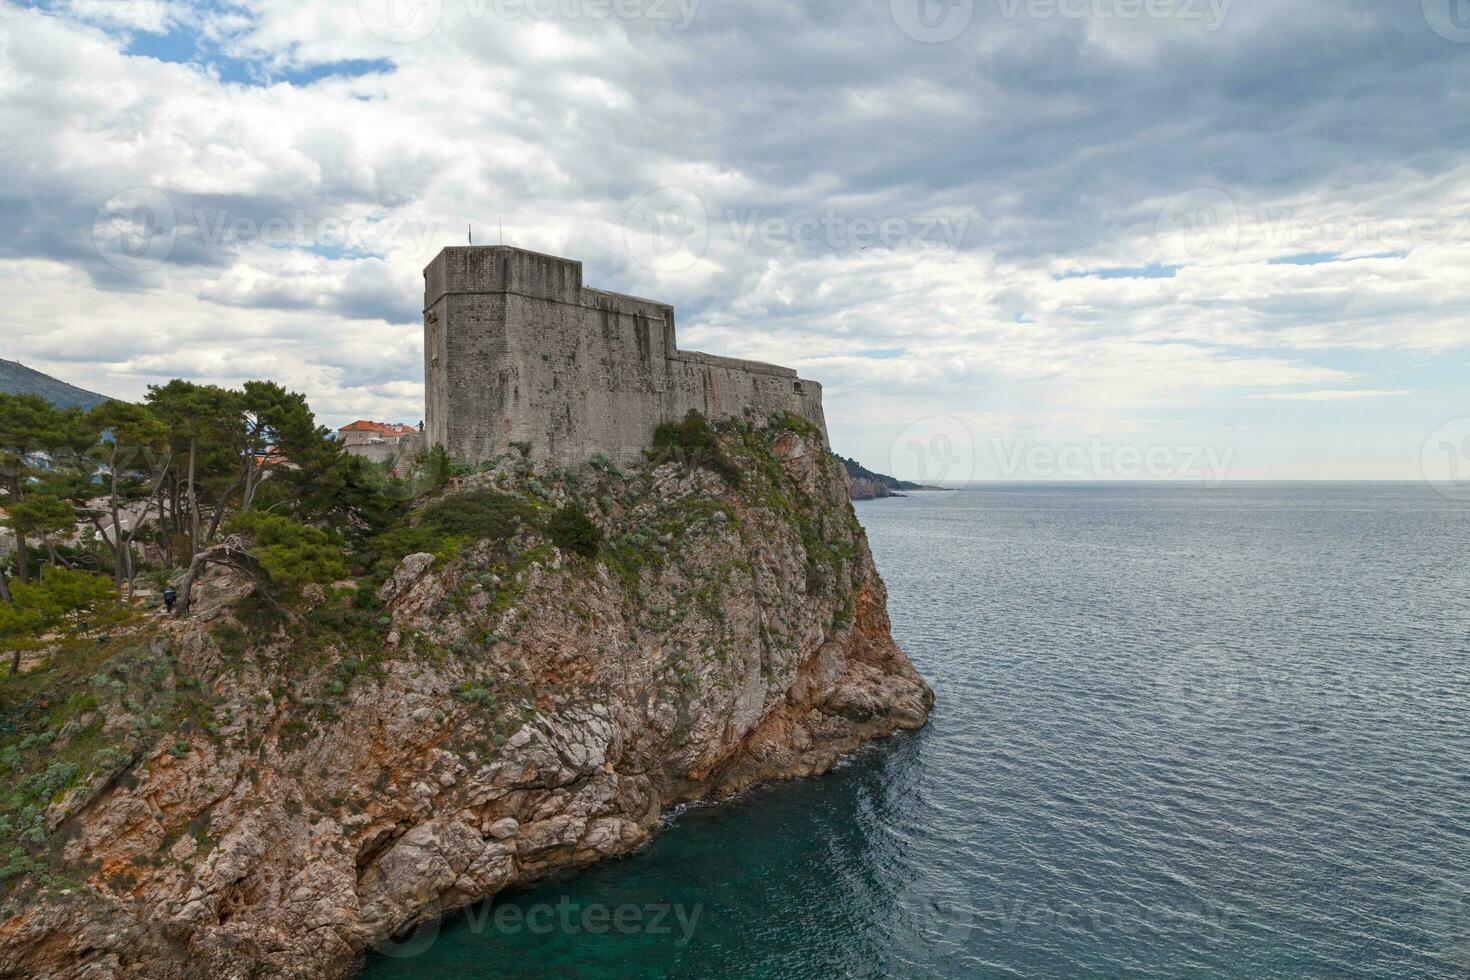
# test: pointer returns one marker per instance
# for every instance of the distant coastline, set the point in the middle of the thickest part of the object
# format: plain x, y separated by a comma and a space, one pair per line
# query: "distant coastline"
864, 484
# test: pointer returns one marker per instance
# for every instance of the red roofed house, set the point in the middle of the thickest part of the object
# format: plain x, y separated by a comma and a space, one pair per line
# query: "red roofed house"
359, 432
381, 441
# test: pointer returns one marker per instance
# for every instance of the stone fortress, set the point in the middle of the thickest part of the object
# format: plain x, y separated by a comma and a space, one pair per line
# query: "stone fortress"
517, 350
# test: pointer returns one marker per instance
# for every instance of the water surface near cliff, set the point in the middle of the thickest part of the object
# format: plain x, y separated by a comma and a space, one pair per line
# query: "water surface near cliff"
1179, 731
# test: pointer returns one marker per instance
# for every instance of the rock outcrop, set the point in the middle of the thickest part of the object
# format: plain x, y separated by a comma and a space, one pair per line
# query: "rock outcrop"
328, 775
864, 484
859, 488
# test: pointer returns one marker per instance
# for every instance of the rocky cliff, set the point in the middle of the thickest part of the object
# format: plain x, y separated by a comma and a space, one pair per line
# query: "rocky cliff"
266, 790
859, 488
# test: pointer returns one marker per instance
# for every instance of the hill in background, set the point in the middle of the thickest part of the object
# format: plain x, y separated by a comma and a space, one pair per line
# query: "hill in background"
17, 379
864, 484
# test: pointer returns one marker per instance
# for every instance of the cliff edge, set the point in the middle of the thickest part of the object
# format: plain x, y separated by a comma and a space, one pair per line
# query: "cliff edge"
267, 789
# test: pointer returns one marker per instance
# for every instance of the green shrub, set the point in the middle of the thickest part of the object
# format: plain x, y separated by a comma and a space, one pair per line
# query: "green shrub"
291, 553
692, 434
386, 550
693, 442
230, 638
572, 530
478, 693
476, 515
433, 467
61, 594
440, 527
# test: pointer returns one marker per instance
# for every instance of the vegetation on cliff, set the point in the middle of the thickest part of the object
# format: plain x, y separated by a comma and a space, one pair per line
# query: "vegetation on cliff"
134, 491
320, 605
389, 697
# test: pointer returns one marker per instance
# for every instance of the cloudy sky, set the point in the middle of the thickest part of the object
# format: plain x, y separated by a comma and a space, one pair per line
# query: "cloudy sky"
1013, 238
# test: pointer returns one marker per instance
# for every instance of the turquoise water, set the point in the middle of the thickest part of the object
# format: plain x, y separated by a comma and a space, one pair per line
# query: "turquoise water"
1179, 732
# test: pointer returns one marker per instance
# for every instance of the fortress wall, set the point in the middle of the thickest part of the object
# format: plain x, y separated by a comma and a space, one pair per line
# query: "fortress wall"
724, 386
469, 374
516, 349
586, 377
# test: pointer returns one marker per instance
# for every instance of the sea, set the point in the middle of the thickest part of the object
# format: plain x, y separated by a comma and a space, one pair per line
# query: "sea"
1180, 731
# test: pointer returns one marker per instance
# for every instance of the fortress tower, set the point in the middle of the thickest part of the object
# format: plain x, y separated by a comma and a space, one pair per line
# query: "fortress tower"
516, 349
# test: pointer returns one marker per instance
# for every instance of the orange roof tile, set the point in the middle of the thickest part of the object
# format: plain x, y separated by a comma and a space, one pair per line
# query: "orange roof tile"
383, 428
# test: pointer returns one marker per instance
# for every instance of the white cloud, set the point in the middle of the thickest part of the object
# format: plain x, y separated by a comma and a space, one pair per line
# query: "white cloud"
304, 212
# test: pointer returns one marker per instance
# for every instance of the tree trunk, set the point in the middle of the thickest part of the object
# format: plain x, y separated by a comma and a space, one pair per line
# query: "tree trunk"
155, 493
193, 500
119, 566
22, 564
165, 539
175, 515
251, 472
252, 468
5, 589
219, 510
174, 507
233, 550
186, 586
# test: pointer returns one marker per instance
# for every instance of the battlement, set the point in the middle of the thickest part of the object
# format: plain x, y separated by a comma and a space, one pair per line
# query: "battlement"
518, 350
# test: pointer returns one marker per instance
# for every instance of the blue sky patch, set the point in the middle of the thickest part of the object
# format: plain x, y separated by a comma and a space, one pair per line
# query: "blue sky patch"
1154, 270
1305, 258
186, 47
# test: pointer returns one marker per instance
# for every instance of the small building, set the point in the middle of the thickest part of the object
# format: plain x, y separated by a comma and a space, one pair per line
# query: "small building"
382, 442
363, 432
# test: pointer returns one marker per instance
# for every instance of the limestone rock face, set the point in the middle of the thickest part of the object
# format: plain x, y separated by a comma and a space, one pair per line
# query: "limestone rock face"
512, 724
